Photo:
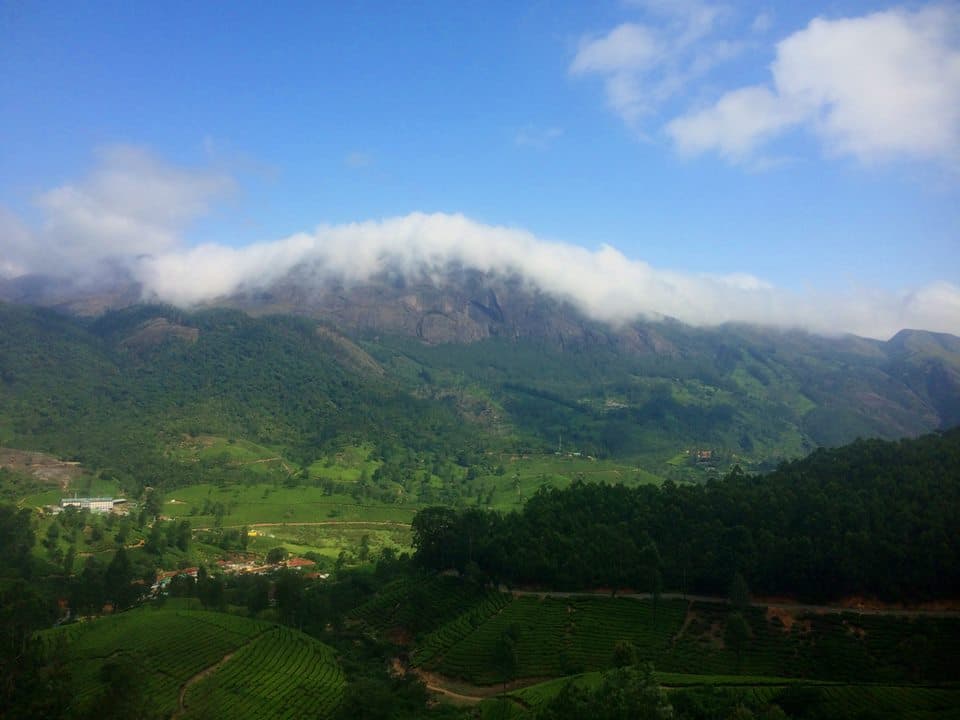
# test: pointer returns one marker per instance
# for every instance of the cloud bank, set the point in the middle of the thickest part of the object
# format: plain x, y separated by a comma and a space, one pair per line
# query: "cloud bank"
130, 213
876, 87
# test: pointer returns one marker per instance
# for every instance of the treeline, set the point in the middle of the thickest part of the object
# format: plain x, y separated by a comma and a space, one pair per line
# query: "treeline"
875, 517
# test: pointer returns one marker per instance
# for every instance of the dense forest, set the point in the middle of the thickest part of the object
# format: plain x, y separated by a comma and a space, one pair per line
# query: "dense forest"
877, 518
118, 393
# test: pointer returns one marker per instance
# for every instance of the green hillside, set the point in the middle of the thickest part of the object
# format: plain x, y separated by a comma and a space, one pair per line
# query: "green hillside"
195, 664
873, 518
161, 397
705, 696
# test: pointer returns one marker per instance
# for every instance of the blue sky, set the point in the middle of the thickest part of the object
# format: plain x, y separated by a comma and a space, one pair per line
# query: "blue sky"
699, 138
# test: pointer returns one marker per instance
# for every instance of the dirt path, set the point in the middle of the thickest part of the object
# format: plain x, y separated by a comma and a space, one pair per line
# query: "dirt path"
346, 523
790, 607
461, 692
193, 680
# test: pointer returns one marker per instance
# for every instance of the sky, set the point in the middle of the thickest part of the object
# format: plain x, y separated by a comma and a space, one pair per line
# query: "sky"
793, 164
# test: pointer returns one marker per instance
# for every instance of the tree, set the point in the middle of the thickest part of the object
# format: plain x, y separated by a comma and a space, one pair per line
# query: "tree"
123, 696
628, 692
69, 560
210, 591
736, 634
434, 533
624, 654
276, 555
16, 540
257, 594
739, 593
184, 534
505, 655
157, 540
118, 578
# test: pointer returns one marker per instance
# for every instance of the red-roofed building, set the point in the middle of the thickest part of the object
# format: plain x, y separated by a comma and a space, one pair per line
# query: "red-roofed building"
299, 563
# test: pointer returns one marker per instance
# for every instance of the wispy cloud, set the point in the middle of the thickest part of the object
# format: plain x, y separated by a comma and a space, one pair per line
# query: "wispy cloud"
762, 22
876, 87
131, 205
130, 213
643, 65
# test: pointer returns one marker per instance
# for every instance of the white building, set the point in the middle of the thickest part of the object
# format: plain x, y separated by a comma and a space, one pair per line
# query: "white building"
93, 504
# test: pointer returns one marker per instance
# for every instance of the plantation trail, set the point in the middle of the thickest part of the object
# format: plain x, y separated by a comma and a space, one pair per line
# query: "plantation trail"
777, 604
331, 523
191, 681
459, 692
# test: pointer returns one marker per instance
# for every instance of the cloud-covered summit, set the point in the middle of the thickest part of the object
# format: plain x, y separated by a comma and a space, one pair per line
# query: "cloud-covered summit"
129, 214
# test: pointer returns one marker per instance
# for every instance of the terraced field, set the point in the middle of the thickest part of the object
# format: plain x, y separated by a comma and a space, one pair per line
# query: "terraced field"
418, 605
846, 647
169, 650
436, 643
280, 674
552, 636
886, 702
561, 636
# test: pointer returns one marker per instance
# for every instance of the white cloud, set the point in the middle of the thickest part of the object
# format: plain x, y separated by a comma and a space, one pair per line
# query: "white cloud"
736, 124
603, 283
644, 65
130, 211
131, 204
875, 87
628, 47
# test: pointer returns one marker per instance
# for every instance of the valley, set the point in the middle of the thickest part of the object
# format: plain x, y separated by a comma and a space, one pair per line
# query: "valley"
496, 528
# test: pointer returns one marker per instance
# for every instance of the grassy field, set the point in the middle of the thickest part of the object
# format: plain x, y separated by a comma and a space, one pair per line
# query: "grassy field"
331, 540
167, 649
523, 475
253, 504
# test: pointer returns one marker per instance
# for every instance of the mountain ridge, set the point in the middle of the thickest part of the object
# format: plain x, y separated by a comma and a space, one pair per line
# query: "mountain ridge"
504, 349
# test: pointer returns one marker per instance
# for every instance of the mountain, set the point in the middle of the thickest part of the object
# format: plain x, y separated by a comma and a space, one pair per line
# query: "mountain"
489, 360
831, 389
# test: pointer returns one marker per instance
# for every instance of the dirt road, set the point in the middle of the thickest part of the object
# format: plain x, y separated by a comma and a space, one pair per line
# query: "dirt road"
788, 606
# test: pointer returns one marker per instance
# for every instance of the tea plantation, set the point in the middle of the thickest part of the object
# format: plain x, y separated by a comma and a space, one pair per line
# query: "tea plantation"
224, 665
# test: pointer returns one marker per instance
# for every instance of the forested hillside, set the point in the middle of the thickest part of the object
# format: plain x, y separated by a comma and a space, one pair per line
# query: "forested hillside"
873, 518
117, 394
120, 392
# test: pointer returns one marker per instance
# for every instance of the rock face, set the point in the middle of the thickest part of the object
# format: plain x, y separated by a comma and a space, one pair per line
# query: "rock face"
462, 307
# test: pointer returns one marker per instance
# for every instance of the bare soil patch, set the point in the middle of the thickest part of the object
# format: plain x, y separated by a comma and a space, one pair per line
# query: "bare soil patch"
41, 466
786, 618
